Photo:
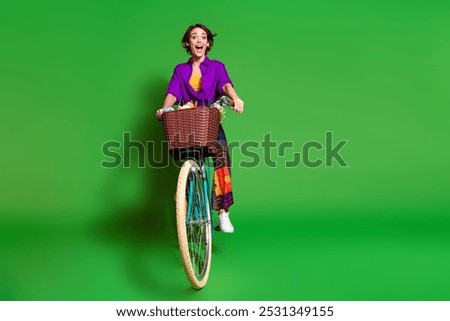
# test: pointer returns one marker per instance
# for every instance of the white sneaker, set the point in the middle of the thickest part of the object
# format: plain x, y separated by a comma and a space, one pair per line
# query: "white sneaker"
225, 223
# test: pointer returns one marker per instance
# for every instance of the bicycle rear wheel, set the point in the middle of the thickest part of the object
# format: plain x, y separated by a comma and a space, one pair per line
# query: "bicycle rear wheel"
194, 224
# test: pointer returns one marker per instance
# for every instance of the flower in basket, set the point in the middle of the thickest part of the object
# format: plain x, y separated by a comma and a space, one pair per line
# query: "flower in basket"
223, 101
176, 107
166, 109
221, 112
189, 105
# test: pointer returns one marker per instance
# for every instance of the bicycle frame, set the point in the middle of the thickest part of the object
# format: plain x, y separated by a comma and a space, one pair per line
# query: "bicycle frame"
206, 189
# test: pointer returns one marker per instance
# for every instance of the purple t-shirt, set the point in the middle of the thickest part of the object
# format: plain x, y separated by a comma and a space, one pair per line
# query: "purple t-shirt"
214, 77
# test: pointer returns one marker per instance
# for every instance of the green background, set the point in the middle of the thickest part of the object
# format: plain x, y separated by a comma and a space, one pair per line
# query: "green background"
76, 74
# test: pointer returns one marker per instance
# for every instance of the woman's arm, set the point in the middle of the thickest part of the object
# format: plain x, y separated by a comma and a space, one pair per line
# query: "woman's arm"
169, 101
230, 92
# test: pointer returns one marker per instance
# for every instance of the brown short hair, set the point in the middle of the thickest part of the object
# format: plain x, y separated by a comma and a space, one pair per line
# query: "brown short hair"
187, 34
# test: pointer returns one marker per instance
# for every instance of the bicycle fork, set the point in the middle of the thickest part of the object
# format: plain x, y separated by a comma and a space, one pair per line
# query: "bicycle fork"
192, 209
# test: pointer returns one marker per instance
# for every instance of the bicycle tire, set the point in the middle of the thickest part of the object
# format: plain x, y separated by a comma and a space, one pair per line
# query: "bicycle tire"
195, 235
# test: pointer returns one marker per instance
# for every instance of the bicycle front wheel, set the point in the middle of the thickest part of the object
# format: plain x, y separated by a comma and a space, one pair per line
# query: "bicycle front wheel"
194, 224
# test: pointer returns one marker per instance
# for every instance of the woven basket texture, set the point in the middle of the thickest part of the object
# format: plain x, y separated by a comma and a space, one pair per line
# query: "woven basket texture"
192, 127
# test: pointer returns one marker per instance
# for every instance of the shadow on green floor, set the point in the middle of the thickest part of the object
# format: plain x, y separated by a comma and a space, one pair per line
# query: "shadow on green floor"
145, 229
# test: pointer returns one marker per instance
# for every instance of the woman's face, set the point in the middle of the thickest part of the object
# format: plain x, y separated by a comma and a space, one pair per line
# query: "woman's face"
198, 42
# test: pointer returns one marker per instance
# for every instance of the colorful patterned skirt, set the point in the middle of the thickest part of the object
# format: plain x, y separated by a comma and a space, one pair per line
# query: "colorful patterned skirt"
222, 194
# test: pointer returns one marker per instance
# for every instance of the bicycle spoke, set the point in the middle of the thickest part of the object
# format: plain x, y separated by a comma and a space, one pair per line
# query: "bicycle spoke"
197, 227
194, 223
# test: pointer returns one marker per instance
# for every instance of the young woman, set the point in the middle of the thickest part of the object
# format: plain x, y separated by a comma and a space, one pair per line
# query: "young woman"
201, 80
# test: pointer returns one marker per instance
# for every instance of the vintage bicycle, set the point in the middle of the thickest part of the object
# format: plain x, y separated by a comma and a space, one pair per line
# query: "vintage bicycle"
191, 133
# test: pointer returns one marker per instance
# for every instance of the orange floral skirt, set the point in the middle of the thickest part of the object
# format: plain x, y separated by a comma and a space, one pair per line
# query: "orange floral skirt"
222, 194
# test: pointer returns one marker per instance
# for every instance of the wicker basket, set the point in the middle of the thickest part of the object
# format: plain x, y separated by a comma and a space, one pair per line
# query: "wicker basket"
192, 127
